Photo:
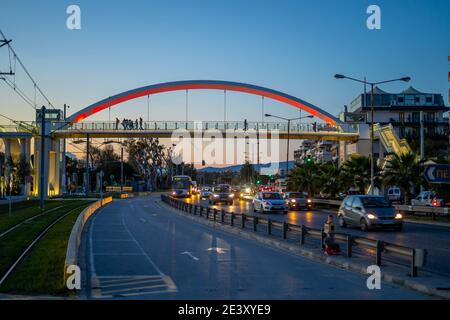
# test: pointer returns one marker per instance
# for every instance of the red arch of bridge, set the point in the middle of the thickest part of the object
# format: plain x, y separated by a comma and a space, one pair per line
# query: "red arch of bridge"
204, 84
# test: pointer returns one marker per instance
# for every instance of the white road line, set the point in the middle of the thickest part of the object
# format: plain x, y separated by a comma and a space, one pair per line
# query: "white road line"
91, 251
117, 254
190, 255
140, 248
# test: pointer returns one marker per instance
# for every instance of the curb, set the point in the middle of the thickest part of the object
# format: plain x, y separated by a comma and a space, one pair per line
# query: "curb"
318, 256
428, 223
74, 241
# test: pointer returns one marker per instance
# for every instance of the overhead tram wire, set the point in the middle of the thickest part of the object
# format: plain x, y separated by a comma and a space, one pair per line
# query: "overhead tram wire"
17, 59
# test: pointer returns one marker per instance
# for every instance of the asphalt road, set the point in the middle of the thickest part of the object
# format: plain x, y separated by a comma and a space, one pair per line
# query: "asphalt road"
139, 248
436, 239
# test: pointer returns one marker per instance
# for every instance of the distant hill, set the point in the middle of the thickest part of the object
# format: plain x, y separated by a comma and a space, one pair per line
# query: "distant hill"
262, 166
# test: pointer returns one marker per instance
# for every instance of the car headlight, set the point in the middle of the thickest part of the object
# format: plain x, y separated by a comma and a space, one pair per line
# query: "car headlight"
247, 190
293, 200
371, 216
231, 195
174, 193
241, 194
215, 195
398, 216
309, 200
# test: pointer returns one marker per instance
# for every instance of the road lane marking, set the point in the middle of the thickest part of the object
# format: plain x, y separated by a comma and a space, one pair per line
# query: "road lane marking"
190, 255
217, 249
119, 286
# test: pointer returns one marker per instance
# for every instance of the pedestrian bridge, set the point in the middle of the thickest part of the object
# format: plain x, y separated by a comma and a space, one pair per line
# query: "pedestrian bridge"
166, 129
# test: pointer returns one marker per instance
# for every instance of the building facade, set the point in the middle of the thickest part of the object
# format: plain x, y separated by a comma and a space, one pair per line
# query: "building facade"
403, 110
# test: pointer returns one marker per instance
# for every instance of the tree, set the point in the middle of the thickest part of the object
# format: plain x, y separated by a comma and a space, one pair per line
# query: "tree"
303, 178
404, 171
329, 178
356, 173
247, 172
146, 156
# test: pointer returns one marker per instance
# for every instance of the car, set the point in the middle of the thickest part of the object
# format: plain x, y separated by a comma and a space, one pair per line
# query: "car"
367, 212
246, 193
297, 201
205, 192
269, 202
430, 198
394, 194
221, 194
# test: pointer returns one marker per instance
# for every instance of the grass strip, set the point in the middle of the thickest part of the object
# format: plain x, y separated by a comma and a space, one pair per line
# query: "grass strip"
15, 242
25, 211
42, 270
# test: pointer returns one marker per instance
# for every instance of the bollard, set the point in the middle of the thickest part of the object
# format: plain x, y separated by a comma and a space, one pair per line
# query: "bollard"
322, 238
349, 245
214, 214
207, 213
190, 208
255, 223
413, 265
285, 230
243, 217
378, 252
303, 235
269, 226
232, 219
223, 216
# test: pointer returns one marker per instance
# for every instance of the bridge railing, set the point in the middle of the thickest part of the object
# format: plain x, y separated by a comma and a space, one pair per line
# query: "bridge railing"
195, 125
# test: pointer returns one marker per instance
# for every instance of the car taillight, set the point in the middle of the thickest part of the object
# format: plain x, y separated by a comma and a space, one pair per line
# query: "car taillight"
435, 202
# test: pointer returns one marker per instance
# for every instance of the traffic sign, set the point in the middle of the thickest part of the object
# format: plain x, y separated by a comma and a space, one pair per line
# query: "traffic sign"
437, 173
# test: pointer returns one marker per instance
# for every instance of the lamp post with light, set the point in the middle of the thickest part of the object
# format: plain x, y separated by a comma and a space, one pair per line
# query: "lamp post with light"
372, 85
288, 134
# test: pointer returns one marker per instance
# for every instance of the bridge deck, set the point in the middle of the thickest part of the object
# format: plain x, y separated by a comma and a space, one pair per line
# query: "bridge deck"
320, 135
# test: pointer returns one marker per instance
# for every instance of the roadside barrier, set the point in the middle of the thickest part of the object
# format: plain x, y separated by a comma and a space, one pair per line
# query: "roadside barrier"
412, 210
73, 244
416, 258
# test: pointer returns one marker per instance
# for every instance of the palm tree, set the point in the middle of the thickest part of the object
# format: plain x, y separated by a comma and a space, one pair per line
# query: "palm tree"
329, 178
303, 178
356, 173
404, 171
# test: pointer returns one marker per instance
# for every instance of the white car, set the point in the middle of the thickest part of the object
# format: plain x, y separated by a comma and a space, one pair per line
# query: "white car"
269, 202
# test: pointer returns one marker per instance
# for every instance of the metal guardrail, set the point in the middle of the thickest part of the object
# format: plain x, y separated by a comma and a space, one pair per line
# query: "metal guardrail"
424, 210
415, 257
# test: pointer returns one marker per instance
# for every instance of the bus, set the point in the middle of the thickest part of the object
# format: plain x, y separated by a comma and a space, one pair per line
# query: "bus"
181, 186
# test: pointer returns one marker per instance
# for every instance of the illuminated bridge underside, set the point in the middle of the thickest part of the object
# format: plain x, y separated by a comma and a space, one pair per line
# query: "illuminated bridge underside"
202, 85
336, 136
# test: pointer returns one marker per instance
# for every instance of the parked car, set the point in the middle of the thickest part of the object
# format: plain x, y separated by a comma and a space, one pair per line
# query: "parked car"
297, 201
367, 212
269, 202
394, 194
205, 192
431, 198
221, 194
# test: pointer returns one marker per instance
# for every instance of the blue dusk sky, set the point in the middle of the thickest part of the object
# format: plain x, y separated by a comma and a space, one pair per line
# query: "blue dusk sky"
292, 46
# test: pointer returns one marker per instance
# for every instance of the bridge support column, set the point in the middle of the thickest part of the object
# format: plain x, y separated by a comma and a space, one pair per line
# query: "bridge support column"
7, 173
25, 157
51, 167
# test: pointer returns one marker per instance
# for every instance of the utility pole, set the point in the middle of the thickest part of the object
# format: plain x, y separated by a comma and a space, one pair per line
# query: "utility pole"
121, 169
87, 165
63, 160
42, 160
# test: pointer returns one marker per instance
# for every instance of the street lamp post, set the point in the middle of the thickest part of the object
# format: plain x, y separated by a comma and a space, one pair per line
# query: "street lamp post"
288, 134
372, 102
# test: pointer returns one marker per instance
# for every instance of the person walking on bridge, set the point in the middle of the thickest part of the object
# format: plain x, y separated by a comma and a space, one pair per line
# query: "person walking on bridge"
140, 123
117, 123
